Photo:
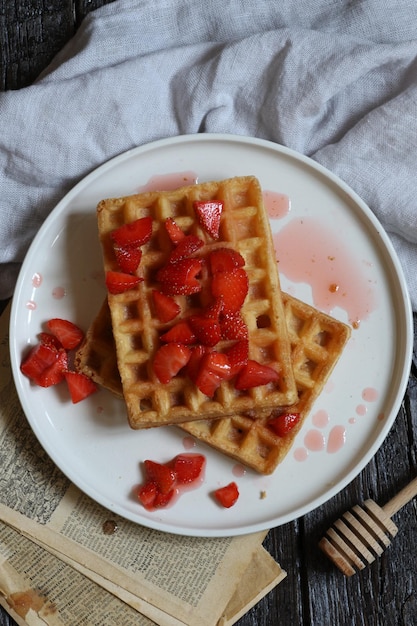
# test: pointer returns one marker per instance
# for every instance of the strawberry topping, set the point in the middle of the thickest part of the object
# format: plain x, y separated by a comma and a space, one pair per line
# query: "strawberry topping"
225, 259
163, 481
67, 333
179, 278
169, 360
175, 233
80, 386
119, 282
128, 258
227, 496
214, 368
134, 233
209, 214
254, 374
166, 309
232, 286
282, 424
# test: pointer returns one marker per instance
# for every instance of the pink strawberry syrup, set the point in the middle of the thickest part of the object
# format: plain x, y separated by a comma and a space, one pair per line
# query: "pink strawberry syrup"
169, 182
277, 205
309, 252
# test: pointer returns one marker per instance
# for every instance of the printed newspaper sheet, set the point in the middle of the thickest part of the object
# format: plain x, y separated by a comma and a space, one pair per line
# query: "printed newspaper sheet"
169, 579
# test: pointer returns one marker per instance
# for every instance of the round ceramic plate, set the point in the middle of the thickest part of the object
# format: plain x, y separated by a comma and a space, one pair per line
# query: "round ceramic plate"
332, 253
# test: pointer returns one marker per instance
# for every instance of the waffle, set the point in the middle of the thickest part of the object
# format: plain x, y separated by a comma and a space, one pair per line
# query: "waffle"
317, 341
244, 227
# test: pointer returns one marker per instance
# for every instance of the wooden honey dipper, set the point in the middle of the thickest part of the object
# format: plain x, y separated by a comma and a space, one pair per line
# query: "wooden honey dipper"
361, 534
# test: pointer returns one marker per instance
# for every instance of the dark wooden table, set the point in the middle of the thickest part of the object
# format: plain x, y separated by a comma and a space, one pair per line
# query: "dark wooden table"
314, 592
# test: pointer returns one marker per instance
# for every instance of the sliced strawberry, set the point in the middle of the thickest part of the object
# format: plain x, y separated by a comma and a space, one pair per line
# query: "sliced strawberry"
208, 214
188, 467
281, 425
232, 286
206, 330
238, 356
228, 495
166, 308
175, 233
233, 326
163, 476
134, 233
38, 360
214, 368
128, 258
67, 333
224, 260
55, 373
48, 339
180, 333
254, 374
169, 360
179, 278
186, 247
146, 495
214, 310
193, 365
80, 386
119, 282
163, 499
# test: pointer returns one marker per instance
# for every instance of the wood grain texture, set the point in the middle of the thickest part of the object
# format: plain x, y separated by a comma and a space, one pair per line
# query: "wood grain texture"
314, 593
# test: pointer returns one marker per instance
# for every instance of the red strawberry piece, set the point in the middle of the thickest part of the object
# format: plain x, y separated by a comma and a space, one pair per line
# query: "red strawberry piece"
238, 356
163, 499
206, 330
80, 386
188, 467
281, 425
254, 374
180, 333
67, 333
186, 247
208, 214
128, 258
232, 286
147, 494
169, 360
166, 308
119, 282
213, 310
175, 233
55, 373
179, 278
233, 326
163, 476
40, 357
228, 495
224, 260
214, 368
134, 233
50, 340
193, 365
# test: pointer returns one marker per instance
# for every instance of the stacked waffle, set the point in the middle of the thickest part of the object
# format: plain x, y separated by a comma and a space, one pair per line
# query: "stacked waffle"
295, 340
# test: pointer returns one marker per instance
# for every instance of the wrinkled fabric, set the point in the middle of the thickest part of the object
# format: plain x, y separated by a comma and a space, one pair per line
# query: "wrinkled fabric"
336, 81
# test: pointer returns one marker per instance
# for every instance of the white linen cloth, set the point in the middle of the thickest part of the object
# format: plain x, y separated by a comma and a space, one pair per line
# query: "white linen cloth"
336, 81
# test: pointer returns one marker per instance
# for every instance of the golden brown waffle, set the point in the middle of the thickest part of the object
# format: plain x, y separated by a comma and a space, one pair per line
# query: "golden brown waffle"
317, 342
245, 227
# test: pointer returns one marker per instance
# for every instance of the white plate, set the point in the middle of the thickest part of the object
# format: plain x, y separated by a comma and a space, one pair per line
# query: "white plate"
91, 441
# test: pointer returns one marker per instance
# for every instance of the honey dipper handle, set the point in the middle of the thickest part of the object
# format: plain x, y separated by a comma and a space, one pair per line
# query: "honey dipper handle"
404, 496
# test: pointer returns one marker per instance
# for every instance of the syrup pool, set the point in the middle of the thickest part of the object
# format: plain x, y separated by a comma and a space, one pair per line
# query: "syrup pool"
169, 182
309, 252
277, 205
